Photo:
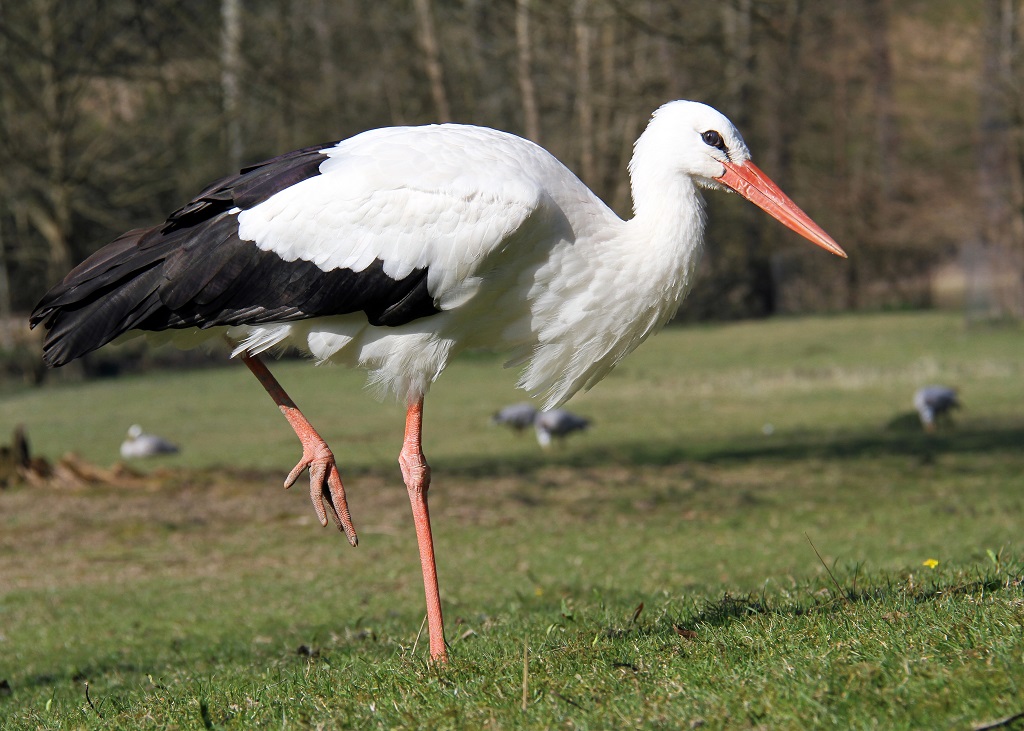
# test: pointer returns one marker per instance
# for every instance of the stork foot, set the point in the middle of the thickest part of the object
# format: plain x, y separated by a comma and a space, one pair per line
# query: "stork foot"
326, 489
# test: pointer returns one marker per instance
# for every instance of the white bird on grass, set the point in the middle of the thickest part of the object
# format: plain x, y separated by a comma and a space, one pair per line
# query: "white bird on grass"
139, 444
399, 248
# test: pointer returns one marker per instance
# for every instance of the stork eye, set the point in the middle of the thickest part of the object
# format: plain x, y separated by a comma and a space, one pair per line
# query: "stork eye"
714, 139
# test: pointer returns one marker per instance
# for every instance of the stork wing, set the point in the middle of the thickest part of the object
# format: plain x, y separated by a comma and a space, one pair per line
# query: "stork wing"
394, 223
437, 200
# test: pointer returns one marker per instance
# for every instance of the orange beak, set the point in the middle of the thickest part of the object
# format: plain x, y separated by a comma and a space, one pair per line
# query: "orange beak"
747, 179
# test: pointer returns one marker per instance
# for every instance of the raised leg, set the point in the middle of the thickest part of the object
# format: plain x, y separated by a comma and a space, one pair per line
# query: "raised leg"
325, 487
417, 480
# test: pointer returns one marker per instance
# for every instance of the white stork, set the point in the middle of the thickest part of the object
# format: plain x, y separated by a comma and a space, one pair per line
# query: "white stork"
398, 248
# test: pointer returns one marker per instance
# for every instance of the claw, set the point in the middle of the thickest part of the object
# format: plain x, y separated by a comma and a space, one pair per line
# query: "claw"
317, 470
326, 491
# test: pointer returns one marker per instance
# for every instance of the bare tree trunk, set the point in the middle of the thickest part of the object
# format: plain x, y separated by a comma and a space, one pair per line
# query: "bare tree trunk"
846, 205
389, 53
999, 181
432, 59
8, 200
321, 23
524, 55
5, 288
230, 71
584, 94
764, 296
877, 19
55, 223
736, 21
603, 116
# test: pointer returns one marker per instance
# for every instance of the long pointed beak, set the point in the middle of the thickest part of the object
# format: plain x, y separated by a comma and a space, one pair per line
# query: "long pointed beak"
747, 179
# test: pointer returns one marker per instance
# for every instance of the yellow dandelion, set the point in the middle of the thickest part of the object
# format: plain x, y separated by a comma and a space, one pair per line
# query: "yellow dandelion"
931, 563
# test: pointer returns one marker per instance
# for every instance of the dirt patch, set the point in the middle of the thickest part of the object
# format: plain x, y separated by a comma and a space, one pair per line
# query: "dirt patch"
189, 522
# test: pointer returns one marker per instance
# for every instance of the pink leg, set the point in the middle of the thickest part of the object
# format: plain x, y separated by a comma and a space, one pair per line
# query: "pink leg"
325, 487
417, 480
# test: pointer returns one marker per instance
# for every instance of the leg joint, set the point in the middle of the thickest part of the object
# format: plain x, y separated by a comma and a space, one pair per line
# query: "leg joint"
415, 470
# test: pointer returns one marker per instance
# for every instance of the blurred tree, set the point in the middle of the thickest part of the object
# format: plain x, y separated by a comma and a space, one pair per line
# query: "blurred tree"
113, 112
583, 30
432, 59
999, 161
230, 72
76, 78
524, 71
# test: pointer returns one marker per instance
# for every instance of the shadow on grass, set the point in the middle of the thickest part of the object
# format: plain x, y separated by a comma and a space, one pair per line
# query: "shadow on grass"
886, 598
921, 446
912, 444
887, 591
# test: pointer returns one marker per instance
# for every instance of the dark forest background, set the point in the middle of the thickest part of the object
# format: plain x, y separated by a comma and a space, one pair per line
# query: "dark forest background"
896, 125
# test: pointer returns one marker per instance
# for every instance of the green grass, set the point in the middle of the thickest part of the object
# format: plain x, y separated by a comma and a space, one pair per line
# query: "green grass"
661, 571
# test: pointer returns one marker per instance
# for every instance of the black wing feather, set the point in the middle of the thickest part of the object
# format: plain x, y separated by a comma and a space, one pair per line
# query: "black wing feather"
194, 271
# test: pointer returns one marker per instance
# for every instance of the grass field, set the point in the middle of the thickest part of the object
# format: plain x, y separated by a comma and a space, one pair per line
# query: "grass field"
747, 538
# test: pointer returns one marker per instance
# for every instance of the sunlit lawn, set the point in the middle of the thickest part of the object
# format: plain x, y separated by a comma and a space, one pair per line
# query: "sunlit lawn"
660, 571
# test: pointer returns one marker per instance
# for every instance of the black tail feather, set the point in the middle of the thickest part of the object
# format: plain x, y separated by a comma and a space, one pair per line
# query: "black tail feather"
95, 312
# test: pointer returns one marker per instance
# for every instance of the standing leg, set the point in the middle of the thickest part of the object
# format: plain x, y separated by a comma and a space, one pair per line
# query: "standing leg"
325, 486
417, 480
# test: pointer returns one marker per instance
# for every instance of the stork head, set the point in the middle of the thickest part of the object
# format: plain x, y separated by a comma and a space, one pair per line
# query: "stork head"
696, 140
700, 142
